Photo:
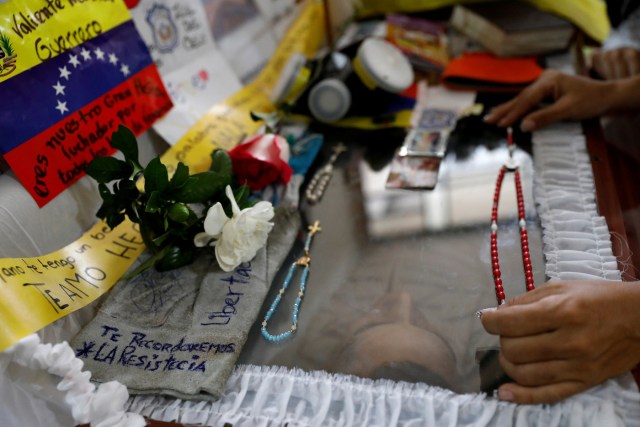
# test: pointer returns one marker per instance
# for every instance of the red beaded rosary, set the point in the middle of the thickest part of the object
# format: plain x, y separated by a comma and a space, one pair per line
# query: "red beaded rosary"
510, 166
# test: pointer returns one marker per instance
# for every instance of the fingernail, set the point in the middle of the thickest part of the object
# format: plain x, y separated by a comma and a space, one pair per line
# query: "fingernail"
527, 125
486, 117
506, 395
479, 313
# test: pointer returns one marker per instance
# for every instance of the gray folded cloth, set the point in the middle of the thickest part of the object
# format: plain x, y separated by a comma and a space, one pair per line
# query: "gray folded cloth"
180, 332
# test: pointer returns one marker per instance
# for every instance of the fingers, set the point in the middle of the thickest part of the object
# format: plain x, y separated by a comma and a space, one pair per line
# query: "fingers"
617, 63
545, 116
523, 315
632, 60
533, 348
601, 65
508, 113
550, 393
619, 69
518, 321
541, 373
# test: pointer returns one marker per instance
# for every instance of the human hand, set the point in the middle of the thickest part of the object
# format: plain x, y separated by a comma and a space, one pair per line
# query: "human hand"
574, 97
616, 63
566, 337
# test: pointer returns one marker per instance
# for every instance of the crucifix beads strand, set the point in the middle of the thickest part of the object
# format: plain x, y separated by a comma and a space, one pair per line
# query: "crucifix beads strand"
320, 181
510, 166
304, 261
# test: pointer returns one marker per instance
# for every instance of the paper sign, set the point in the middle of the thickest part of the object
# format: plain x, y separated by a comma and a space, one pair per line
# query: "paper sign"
64, 110
194, 71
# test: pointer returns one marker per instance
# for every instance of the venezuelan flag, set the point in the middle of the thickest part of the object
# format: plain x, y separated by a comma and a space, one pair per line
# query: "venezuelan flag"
64, 109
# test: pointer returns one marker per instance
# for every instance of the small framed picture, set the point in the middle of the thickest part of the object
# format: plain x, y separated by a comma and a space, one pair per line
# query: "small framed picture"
437, 118
413, 173
425, 143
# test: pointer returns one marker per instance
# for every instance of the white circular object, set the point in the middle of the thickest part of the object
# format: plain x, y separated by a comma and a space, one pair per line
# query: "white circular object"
329, 100
386, 65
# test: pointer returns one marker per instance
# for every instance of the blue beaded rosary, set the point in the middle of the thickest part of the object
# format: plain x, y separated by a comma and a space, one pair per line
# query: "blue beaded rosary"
304, 261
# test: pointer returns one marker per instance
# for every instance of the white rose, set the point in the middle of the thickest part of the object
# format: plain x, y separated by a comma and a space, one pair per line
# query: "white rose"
236, 239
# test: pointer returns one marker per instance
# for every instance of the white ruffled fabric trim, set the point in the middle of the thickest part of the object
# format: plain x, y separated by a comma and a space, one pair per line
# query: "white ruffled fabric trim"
576, 240
101, 406
276, 396
626, 35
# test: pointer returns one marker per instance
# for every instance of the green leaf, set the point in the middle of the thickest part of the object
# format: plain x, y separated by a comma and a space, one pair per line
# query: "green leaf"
242, 197
124, 140
271, 117
114, 219
156, 177
106, 169
201, 187
179, 212
6, 45
176, 256
221, 163
158, 241
180, 176
126, 186
105, 193
104, 210
132, 212
154, 203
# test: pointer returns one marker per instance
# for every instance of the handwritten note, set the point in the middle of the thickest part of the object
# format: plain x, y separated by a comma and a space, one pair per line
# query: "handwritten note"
241, 276
139, 350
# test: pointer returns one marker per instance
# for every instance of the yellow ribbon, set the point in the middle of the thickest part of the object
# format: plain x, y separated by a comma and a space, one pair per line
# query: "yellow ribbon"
35, 292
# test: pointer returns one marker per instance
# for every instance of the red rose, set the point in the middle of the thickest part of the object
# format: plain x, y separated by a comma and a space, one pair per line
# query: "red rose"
261, 161
131, 3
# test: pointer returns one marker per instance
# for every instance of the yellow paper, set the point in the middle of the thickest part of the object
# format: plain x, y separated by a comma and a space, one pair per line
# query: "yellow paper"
32, 31
35, 292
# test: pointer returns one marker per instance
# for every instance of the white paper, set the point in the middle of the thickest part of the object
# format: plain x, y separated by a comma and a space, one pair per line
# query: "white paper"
192, 67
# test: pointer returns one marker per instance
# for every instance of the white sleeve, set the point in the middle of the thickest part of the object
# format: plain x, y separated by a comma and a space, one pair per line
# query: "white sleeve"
626, 35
